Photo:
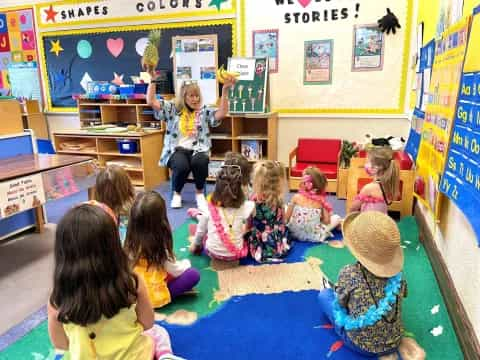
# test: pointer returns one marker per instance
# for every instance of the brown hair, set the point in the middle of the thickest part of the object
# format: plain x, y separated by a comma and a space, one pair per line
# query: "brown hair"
114, 188
180, 104
228, 191
92, 277
388, 171
235, 158
149, 235
319, 180
268, 178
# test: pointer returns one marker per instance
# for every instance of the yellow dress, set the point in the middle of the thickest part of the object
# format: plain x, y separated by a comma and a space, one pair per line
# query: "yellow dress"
118, 338
155, 279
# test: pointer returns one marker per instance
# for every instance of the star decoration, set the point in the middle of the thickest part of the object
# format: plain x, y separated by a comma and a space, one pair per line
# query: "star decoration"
217, 3
56, 47
50, 14
117, 80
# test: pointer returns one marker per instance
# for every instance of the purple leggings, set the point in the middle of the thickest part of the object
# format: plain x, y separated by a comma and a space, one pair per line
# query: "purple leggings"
184, 282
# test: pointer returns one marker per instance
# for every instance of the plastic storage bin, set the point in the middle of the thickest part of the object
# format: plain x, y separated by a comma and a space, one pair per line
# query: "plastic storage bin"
140, 88
127, 146
126, 89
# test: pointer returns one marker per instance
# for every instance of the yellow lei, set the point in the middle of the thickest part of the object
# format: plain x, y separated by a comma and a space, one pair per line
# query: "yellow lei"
187, 123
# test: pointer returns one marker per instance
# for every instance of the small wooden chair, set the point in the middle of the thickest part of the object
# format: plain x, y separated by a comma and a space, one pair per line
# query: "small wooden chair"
357, 178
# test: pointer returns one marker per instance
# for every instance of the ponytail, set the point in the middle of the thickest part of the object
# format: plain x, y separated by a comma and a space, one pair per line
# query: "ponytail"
390, 180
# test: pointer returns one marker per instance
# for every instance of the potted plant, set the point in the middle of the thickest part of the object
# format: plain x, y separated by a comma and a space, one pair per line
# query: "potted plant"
349, 150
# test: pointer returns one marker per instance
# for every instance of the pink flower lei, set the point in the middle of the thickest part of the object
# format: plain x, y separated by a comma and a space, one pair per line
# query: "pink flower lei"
312, 194
224, 236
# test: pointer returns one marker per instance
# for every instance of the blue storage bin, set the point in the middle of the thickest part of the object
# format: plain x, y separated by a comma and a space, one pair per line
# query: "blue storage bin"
127, 146
126, 89
140, 88
101, 88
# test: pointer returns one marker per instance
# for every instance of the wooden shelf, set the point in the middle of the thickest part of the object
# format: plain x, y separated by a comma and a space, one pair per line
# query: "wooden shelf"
147, 173
78, 152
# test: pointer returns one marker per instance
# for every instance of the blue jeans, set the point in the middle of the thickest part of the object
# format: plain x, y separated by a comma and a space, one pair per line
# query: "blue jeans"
325, 298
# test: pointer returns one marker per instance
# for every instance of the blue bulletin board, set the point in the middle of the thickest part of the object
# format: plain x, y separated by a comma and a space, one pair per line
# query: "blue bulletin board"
72, 58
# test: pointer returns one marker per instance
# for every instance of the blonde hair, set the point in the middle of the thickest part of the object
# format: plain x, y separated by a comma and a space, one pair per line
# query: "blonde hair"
114, 188
319, 180
268, 178
180, 104
388, 171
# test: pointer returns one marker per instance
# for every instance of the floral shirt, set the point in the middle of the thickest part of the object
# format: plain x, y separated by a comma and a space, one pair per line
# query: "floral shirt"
306, 225
353, 293
268, 238
171, 116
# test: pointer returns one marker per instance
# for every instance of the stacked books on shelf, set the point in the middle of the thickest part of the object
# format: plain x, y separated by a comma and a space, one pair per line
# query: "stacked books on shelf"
252, 149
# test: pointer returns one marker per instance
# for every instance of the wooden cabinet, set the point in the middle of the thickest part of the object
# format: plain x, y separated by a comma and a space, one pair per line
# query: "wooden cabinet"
142, 166
236, 128
11, 117
34, 119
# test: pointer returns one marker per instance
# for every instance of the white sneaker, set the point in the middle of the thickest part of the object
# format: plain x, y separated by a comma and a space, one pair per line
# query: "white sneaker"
201, 202
176, 201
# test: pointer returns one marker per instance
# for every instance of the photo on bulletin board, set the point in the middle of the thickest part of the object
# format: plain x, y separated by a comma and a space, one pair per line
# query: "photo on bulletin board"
265, 44
195, 58
368, 48
318, 56
250, 91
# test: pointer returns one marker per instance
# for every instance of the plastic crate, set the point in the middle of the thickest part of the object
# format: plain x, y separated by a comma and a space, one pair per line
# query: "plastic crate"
127, 146
140, 88
127, 89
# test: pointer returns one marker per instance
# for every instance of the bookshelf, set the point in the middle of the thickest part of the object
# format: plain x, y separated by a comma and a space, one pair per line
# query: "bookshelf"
236, 128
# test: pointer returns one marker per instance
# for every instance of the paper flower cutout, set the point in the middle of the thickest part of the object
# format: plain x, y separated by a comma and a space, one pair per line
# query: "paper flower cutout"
56, 47
117, 79
435, 309
437, 331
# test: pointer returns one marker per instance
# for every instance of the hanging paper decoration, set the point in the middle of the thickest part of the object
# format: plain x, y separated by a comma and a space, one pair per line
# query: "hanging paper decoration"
140, 45
115, 46
84, 49
117, 79
56, 47
85, 80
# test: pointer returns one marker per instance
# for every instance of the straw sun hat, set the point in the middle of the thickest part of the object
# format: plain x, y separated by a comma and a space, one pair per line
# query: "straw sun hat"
374, 239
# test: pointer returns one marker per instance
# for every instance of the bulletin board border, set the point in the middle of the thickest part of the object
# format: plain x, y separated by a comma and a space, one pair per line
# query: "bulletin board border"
165, 17
176, 25
399, 110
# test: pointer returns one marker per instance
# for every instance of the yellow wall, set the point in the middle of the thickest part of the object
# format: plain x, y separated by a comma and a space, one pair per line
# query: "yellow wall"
454, 236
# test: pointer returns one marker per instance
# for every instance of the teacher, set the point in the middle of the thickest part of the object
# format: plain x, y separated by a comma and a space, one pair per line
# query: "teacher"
187, 143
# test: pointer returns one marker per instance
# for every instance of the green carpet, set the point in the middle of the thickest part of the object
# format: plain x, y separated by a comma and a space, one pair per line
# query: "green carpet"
423, 293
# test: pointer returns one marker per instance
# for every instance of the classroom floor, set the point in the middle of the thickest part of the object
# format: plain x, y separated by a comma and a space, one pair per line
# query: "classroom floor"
263, 310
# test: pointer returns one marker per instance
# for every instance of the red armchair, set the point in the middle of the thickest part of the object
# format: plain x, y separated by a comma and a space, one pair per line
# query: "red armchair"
321, 153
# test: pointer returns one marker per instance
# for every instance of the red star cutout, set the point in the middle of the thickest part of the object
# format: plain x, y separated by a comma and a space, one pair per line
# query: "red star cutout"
51, 14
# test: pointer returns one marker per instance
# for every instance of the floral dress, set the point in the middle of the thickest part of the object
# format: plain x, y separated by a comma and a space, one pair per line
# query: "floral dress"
306, 224
268, 239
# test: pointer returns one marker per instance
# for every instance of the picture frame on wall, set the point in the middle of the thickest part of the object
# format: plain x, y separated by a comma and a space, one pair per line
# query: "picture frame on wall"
265, 44
368, 48
318, 60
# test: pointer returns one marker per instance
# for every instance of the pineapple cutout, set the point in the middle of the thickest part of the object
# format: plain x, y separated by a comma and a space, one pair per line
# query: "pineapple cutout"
150, 56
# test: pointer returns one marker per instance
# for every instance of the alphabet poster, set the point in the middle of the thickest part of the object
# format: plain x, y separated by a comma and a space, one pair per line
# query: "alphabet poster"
461, 179
440, 113
17, 43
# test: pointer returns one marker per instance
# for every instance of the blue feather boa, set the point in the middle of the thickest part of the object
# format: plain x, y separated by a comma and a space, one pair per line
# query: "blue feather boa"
374, 313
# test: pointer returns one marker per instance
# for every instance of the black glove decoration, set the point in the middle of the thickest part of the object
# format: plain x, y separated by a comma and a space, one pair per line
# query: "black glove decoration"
389, 23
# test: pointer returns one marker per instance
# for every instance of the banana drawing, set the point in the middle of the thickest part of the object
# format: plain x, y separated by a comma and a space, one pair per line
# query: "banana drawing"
223, 74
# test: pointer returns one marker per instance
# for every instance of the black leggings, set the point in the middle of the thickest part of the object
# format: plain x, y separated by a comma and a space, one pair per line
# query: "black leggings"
182, 162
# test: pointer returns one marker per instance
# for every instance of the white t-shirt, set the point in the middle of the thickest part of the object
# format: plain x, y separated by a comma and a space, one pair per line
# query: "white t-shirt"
186, 142
238, 217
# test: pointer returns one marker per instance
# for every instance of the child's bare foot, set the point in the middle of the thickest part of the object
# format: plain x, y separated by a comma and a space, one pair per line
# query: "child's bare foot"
196, 249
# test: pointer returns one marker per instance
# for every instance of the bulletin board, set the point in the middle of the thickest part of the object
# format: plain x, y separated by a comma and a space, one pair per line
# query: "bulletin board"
376, 92
196, 58
78, 56
17, 44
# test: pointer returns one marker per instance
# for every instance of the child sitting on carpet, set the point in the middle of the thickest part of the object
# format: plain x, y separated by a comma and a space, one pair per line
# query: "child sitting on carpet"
268, 238
309, 215
99, 308
384, 188
366, 305
225, 222
149, 245
114, 188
